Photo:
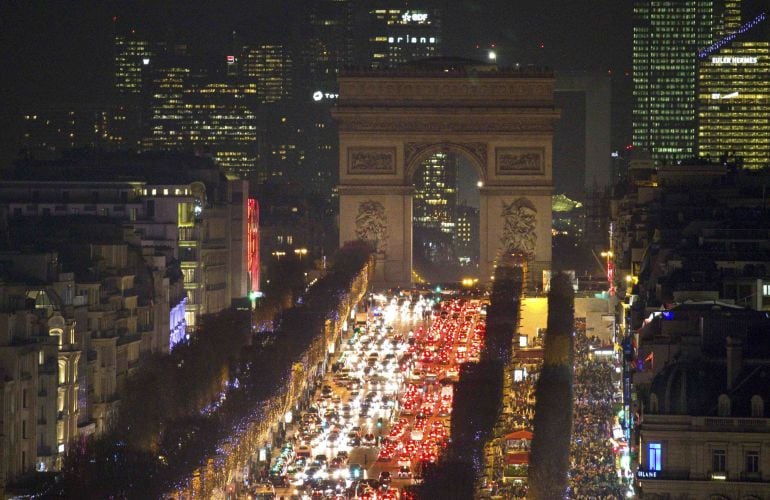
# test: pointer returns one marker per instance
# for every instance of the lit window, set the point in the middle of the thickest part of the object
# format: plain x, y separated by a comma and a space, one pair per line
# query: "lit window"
766, 290
654, 457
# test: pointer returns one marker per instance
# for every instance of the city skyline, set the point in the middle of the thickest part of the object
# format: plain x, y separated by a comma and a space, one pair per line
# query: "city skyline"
64, 54
415, 249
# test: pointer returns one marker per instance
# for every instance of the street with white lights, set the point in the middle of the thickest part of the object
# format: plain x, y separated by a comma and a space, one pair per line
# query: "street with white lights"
383, 410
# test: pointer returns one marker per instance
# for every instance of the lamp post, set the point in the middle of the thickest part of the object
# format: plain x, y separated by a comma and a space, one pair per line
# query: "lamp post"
301, 252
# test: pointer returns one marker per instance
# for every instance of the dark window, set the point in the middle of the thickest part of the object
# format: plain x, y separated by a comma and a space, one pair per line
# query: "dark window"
752, 462
65, 196
719, 461
150, 208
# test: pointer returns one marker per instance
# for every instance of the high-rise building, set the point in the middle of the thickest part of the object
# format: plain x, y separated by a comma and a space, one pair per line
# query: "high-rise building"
212, 118
49, 131
466, 234
435, 198
400, 34
269, 67
734, 91
666, 36
329, 45
132, 58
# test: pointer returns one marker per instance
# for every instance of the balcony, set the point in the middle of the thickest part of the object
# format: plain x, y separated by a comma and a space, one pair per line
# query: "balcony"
188, 234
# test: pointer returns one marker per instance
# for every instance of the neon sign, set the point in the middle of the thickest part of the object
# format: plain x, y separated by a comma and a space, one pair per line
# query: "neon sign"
252, 228
734, 60
414, 17
319, 96
647, 474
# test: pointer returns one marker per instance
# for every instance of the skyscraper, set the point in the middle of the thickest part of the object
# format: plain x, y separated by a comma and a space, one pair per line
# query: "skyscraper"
329, 46
435, 197
132, 56
399, 34
269, 67
190, 112
666, 36
734, 90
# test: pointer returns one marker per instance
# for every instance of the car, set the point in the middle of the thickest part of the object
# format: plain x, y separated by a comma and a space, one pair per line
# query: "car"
404, 472
385, 477
368, 440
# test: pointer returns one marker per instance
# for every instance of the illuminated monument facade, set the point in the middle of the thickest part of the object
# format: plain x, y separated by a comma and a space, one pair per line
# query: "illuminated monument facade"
734, 92
501, 121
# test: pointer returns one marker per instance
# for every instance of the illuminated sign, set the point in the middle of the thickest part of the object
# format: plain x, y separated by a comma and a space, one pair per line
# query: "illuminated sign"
724, 96
646, 474
146, 61
320, 96
411, 39
230, 59
414, 17
733, 60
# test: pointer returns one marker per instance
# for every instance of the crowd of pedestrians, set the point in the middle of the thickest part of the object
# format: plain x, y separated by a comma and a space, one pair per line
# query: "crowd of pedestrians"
593, 470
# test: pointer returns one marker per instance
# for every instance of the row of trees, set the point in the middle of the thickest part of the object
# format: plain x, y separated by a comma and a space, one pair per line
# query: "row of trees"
173, 415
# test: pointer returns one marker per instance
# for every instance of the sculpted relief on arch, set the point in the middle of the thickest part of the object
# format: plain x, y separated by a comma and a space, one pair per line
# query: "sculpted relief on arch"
372, 224
519, 227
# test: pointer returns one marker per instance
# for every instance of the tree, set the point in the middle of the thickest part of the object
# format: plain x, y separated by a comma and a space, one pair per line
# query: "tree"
549, 460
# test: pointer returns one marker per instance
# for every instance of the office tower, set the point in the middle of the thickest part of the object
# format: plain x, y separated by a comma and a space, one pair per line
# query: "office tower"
466, 234
132, 58
329, 43
435, 197
734, 91
269, 67
46, 132
399, 34
666, 36
191, 113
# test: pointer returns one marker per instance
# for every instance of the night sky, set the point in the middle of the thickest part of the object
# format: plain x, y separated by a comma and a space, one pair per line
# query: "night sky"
60, 51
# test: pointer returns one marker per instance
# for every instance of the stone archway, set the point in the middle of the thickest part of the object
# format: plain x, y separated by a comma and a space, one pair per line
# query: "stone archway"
500, 120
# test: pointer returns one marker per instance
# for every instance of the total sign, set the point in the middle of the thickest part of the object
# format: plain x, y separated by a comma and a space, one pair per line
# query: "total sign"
320, 96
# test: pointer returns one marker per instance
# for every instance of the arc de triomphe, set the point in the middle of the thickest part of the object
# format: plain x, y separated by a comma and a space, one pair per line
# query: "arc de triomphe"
501, 121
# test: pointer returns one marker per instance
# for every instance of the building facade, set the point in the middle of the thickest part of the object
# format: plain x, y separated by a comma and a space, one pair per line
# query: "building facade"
734, 94
399, 34
666, 35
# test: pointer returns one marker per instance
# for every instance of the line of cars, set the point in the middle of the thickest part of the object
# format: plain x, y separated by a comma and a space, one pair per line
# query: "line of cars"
388, 398
421, 431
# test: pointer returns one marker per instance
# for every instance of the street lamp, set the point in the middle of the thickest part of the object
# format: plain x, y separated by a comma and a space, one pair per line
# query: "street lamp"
278, 254
301, 252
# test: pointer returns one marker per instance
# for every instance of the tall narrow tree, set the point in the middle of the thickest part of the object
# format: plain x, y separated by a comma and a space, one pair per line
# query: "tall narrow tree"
549, 460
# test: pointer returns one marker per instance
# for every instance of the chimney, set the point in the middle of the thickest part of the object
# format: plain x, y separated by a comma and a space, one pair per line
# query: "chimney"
734, 360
